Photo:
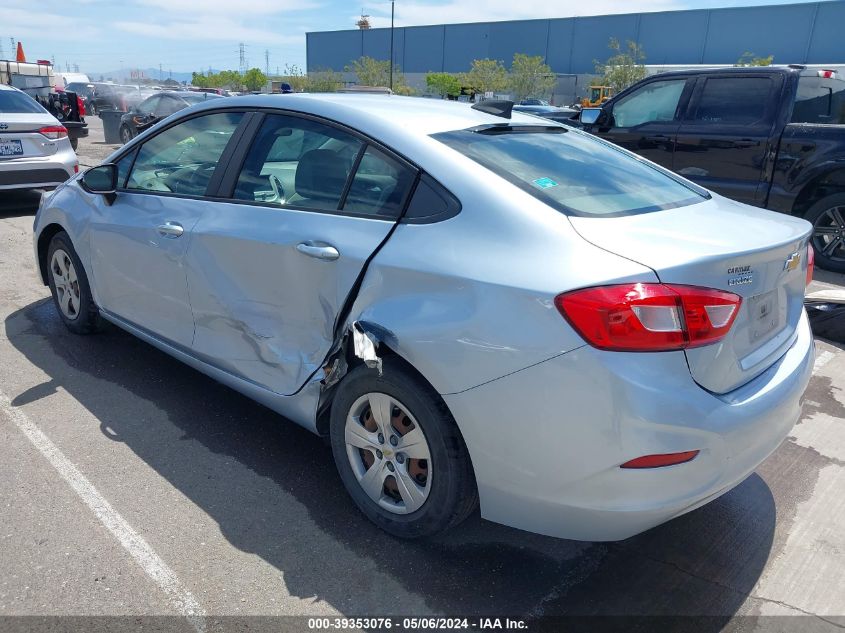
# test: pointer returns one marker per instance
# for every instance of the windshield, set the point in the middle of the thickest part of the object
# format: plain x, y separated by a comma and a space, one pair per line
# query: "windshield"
13, 101
572, 171
199, 97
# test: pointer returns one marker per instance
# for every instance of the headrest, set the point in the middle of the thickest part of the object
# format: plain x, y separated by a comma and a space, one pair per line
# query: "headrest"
321, 173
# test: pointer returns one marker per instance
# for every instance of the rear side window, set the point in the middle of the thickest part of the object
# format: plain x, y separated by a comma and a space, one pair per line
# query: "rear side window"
736, 100
12, 101
573, 171
431, 202
380, 185
819, 100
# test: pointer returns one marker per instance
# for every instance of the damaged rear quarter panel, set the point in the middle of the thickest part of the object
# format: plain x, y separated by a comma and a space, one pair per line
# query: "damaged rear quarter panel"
471, 299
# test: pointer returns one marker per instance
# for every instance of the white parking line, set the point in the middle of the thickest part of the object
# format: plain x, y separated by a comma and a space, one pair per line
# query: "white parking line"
178, 595
821, 360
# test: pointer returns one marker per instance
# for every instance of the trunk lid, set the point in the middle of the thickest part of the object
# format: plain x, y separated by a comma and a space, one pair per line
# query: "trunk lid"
729, 246
22, 128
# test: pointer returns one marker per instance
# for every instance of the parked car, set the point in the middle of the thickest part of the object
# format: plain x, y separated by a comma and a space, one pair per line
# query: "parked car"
156, 107
533, 102
35, 150
553, 113
769, 137
471, 306
109, 96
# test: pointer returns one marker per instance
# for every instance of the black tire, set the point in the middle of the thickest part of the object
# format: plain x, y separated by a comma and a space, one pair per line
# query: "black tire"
87, 318
74, 143
453, 494
125, 135
828, 215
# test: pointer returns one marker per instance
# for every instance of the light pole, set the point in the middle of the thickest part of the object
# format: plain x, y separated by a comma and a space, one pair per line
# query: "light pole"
391, 43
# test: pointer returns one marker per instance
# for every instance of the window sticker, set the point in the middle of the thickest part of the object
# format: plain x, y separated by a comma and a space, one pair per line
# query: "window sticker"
545, 183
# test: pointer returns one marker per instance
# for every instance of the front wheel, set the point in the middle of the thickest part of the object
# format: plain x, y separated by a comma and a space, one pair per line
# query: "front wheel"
69, 287
125, 135
399, 452
828, 218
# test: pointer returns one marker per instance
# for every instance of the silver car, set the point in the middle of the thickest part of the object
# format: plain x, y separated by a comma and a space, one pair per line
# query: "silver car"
34, 147
476, 307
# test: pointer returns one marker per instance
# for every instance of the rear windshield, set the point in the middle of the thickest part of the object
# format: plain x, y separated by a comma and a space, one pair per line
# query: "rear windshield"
13, 101
573, 172
819, 100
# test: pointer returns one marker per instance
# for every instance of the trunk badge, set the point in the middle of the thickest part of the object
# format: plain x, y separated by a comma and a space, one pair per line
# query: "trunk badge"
792, 261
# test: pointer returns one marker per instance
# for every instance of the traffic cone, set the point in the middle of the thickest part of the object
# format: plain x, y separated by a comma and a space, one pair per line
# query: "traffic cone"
21, 57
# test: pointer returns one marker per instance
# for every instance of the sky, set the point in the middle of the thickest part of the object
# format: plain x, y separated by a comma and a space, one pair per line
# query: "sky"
186, 35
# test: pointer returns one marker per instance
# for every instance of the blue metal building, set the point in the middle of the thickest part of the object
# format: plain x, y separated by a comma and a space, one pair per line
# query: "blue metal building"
809, 33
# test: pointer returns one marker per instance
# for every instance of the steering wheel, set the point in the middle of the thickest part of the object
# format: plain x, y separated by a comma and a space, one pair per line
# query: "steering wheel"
278, 188
190, 180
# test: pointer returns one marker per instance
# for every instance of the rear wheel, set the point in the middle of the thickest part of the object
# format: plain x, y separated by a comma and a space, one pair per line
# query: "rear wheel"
399, 453
69, 287
828, 218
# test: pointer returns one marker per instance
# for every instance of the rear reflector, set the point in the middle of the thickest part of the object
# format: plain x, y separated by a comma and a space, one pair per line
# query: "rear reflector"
646, 317
659, 461
54, 132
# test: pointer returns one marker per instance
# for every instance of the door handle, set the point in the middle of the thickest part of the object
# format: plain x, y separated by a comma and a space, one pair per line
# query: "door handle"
658, 138
746, 142
318, 251
170, 230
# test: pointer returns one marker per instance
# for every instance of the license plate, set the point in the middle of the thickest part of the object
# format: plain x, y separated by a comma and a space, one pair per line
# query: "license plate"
764, 314
11, 148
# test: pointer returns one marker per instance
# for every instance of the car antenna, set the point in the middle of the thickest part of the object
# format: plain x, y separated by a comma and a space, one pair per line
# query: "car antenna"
496, 107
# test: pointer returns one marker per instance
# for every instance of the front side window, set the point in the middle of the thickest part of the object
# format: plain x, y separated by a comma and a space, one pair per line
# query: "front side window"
733, 100
573, 171
656, 101
182, 158
298, 163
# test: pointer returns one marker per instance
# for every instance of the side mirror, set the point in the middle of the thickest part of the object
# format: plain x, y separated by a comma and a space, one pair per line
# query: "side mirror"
592, 116
101, 179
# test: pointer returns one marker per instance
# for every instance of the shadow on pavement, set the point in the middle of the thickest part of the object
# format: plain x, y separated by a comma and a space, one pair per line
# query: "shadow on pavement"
706, 562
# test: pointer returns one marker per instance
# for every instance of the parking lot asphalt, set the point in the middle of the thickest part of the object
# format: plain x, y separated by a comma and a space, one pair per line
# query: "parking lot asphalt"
133, 485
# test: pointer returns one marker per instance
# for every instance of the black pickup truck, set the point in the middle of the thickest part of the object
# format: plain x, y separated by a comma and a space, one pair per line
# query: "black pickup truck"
772, 137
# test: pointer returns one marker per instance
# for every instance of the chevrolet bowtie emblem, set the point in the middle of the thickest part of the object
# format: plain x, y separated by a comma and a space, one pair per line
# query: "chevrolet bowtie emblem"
792, 261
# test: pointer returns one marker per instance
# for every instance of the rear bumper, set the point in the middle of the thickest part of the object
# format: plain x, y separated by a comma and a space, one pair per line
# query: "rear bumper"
546, 442
38, 172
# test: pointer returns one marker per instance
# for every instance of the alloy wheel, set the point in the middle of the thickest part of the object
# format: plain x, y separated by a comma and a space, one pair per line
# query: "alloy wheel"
388, 452
66, 283
829, 234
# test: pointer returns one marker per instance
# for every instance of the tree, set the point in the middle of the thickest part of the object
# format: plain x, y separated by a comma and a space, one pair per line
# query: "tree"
444, 84
486, 75
376, 72
624, 68
324, 81
297, 79
748, 59
254, 79
530, 77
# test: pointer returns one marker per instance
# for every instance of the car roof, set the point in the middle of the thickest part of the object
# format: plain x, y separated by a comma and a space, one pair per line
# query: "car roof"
377, 114
730, 70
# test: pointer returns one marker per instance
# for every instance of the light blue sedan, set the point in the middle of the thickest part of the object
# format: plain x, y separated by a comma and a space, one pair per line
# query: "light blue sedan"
477, 307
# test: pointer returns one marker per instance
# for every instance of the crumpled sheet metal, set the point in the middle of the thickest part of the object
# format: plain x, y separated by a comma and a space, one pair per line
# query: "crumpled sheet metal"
365, 344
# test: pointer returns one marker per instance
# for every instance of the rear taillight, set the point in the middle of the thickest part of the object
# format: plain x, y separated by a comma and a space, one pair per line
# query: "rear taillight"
645, 317
53, 132
80, 105
811, 263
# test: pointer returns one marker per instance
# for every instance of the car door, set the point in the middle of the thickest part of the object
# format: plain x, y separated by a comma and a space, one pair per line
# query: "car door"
724, 140
138, 242
646, 120
270, 270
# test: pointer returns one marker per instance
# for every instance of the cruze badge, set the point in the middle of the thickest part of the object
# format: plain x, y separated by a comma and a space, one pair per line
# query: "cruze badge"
792, 261
740, 275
